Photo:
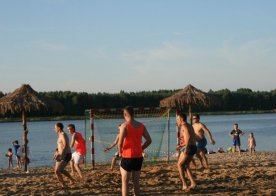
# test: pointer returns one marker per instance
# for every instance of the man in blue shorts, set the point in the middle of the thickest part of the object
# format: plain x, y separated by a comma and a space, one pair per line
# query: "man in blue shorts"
200, 130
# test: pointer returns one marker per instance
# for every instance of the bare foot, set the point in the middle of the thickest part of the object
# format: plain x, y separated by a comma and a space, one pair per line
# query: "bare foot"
199, 167
206, 171
192, 186
184, 187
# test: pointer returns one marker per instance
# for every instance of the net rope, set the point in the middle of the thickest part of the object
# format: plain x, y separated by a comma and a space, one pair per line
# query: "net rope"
106, 124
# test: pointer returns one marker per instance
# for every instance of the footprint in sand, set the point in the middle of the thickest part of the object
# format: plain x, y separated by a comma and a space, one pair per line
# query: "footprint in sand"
88, 180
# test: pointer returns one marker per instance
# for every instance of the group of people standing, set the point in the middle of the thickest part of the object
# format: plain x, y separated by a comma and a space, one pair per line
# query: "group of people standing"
192, 142
236, 133
18, 152
63, 154
131, 148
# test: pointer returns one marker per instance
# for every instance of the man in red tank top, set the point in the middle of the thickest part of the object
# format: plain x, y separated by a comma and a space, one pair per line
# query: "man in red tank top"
78, 142
130, 148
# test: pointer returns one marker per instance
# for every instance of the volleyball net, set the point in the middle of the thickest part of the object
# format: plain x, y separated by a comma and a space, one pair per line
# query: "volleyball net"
101, 129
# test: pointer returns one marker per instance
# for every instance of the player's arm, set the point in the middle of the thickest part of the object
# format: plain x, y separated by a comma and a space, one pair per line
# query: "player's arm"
187, 137
73, 141
206, 130
113, 144
122, 136
230, 134
242, 133
147, 137
63, 141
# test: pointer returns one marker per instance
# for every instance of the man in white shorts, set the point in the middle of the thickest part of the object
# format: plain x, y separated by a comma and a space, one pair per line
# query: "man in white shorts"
78, 142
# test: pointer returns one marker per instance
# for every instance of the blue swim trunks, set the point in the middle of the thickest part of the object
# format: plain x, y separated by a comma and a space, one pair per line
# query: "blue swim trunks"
236, 142
201, 144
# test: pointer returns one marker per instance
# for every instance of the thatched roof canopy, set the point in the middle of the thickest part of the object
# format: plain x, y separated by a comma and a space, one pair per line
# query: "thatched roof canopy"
26, 99
185, 97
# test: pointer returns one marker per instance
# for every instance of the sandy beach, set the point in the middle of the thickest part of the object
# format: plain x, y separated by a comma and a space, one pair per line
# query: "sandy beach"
228, 175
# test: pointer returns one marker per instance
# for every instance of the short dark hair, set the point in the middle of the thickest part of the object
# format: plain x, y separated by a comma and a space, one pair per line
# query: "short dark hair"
60, 125
72, 126
236, 124
16, 142
196, 115
182, 115
129, 110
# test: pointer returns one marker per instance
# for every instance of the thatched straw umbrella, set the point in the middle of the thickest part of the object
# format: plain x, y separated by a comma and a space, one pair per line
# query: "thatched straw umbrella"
23, 100
188, 96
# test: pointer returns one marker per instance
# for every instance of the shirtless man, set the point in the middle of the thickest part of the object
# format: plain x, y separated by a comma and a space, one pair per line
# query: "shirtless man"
63, 156
116, 155
187, 150
200, 129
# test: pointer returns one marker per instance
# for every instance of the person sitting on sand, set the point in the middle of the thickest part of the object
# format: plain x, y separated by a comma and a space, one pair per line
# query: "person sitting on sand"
9, 156
235, 134
116, 155
200, 130
251, 143
187, 150
64, 155
78, 142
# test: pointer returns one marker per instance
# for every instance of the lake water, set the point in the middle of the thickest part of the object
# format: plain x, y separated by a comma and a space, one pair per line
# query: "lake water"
43, 138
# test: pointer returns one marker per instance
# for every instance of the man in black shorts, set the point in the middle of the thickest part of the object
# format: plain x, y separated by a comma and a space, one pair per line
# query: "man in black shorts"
63, 155
131, 148
187, 150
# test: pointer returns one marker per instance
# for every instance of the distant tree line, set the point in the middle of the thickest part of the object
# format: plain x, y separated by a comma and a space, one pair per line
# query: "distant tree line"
75, 103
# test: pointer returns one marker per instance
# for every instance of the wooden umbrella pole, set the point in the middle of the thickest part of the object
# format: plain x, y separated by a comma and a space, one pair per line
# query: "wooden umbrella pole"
168, 144
190, 114
25, 139
177, 132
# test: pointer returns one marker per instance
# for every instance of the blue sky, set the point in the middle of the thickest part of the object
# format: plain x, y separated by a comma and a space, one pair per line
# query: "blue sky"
107, 46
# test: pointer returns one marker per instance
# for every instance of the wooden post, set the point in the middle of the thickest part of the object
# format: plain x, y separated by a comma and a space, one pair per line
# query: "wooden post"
92, 138
25, 140
168, 147
85, 138
190, 114
177, 132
